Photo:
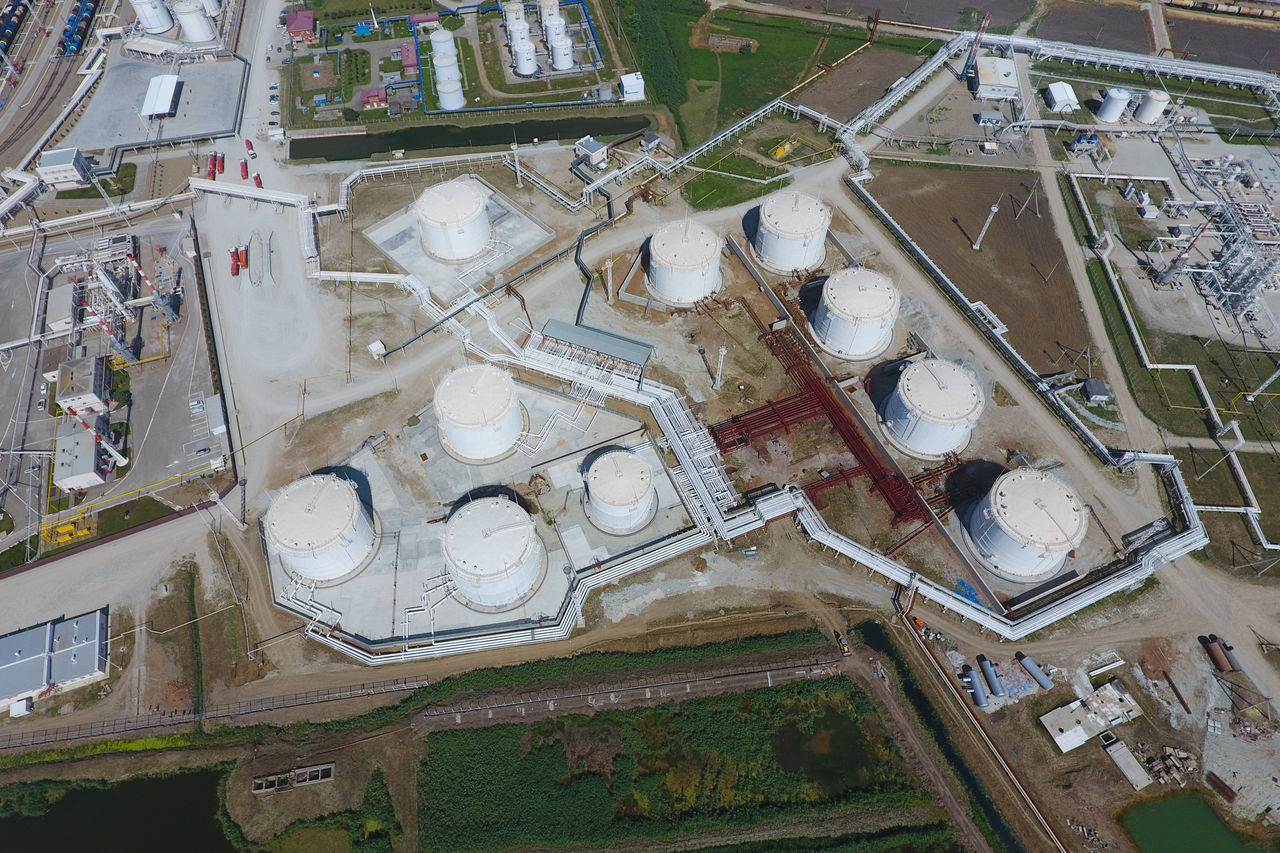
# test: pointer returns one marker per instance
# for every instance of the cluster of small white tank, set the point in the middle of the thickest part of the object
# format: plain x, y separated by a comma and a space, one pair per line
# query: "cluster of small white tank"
1116, 100
444, 65
453, 219
523, 54
195, 17
555, 35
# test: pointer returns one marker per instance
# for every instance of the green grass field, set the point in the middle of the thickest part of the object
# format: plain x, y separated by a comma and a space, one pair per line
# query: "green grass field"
666, 772
117, 186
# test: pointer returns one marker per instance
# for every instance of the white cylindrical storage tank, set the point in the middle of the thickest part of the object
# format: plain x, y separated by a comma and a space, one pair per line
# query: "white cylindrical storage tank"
1114, 102
493, 554
442, 43
525, 58
792, 232
450, 94
518, 31
447, 69
684, 262
512, 10
319, 529
621, 498
561, 53
213, 8
933, 409
547, 9
554, 26
153, 17
854, 317
196, 24
479, 414
1024, 527
1152, 108
452, 220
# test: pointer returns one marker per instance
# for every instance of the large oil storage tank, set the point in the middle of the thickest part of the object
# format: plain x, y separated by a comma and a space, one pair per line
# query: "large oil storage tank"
512, 10
1114, 102
1152, 108
213, 8
319, 529
854, 316
196, 24
547, 9
1023, 528
792, 233
561, 52
493, 554
442, 43
446, 70
553, 26
518, 31
933, 409
450, 94
620, 494
525, 57
153, 17
479, 413
684, 262
452, 221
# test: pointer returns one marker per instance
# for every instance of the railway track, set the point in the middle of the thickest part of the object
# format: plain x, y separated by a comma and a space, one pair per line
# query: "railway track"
39, 100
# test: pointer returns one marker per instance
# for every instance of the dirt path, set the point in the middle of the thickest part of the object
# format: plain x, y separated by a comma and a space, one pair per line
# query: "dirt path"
924, 759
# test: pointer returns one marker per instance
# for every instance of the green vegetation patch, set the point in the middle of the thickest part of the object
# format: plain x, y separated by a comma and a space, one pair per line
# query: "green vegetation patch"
372, 828
118, 185
117, 518
736, 759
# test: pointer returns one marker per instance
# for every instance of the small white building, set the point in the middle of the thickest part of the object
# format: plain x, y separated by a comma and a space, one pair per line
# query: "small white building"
1061, 98
82, 385
63, 168
1074, 724
997, 79
59, 311
596, 152
76, 461
161, 100
632, 86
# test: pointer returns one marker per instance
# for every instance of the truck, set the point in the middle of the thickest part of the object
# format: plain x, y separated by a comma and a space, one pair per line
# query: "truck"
222, 163
244, 170
235, 264
248, 146
257, 180
843, 643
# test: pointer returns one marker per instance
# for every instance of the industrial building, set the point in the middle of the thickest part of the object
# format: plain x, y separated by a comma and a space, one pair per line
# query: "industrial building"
63, 653
479, 412
1074, 724
77, 464
453, 224
82, 385
933, 409
64, 168
632, 86
319, 530
596, 152
60, 311
1061, 98
792, 232
161, 100
1026, 525
684, 263
996, 79
855, 314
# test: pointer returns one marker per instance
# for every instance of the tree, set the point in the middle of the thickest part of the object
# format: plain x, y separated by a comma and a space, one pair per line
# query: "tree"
349, 114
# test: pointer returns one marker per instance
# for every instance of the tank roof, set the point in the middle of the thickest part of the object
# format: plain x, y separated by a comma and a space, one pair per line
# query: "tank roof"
860, 295
684, 245
1038, 509
619, 478
450, 203
312, 514
476, 396
941, 391
488, 537
794, 214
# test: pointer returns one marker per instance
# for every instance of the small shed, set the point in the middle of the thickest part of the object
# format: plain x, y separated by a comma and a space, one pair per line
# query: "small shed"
990, 118
632, 86
409, 57
596, 152
997, 79
1096, 391
1061, 98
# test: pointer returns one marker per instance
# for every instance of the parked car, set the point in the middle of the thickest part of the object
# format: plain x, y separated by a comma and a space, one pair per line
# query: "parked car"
275, 112
272, 123
273, 87
275, 99
44, 387
40, 406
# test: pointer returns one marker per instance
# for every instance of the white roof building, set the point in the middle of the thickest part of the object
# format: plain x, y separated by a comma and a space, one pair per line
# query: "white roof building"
76, 461
1061, 98
1073, 725
59, 309
63, 168
632, 86
997, 79
82, 385
162, 97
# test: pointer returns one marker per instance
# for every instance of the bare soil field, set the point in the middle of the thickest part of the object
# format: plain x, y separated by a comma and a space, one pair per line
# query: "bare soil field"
958, 14
1230, 41
1021, 272
845, 91
1116, 27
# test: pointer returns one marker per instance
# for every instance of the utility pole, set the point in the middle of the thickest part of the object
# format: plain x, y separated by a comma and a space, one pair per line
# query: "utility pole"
977, 244
720, 369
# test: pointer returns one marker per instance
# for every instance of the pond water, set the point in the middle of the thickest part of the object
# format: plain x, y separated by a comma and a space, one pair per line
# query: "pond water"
836, 754
427, 137
1179, 824
139, 816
